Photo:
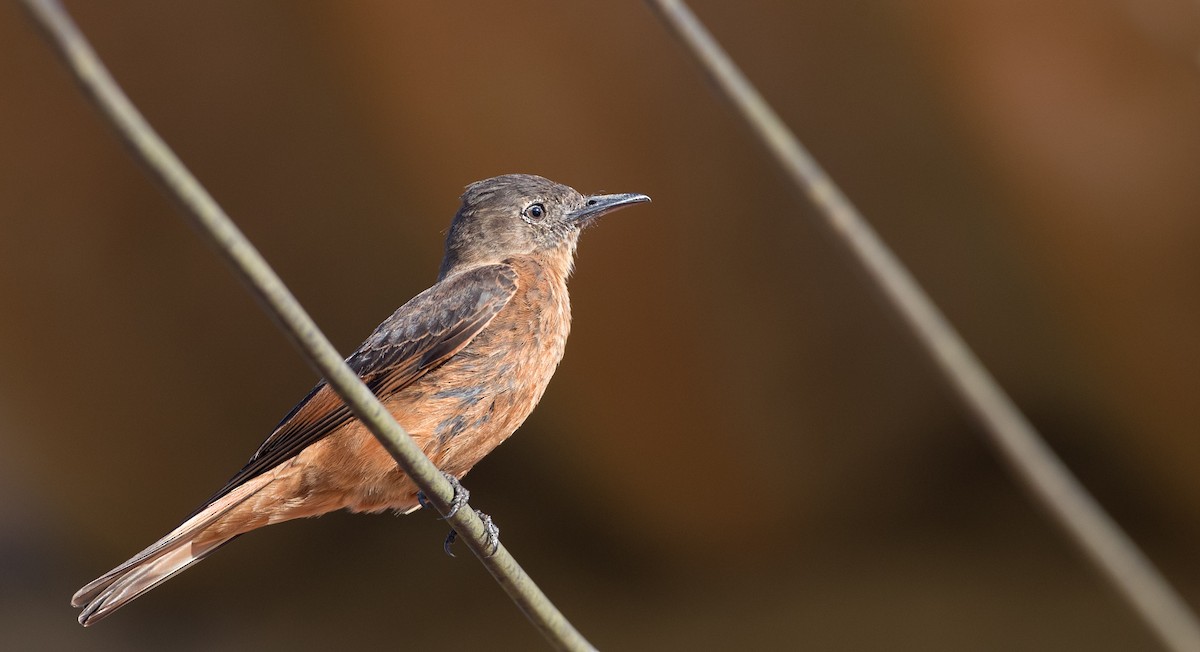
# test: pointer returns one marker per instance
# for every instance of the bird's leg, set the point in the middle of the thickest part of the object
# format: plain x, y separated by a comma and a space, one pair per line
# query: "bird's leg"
461, 495
489, 526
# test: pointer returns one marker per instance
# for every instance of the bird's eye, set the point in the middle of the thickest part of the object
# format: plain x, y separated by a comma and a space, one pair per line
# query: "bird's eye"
534, 211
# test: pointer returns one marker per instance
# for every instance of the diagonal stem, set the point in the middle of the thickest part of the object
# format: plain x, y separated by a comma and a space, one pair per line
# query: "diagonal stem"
1037, 467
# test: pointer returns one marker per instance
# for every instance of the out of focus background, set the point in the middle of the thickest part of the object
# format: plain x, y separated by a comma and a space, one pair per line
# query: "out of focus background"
742, 449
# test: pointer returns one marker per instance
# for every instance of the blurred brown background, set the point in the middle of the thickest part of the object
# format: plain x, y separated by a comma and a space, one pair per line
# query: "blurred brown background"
741, 449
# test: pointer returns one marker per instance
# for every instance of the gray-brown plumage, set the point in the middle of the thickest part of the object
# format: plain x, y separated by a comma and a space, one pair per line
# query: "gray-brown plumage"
460, 366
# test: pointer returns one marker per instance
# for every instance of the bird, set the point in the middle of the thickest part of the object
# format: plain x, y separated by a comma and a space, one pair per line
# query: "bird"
460, 366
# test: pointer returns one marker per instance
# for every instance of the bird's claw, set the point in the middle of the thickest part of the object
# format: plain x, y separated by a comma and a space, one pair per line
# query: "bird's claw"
493, 533
489, 526
461, 496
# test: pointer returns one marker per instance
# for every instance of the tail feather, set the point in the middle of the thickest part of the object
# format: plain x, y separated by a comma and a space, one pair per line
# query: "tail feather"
144, 577
187, 544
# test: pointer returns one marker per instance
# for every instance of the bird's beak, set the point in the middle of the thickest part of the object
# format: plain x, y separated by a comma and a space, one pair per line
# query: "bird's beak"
597, 205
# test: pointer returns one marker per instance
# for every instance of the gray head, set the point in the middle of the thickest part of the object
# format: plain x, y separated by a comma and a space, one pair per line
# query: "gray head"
522, 214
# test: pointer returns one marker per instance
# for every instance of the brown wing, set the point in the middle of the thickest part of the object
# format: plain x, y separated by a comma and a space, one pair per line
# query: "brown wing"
419, 336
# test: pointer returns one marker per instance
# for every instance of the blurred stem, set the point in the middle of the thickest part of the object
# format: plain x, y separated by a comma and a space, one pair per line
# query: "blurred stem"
1037, 467
262, 281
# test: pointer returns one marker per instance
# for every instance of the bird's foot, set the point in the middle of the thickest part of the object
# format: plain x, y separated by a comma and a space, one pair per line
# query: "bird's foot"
461, 495
489, 526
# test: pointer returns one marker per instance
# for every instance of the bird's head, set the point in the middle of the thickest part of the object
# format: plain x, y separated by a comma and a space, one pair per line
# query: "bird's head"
522, 214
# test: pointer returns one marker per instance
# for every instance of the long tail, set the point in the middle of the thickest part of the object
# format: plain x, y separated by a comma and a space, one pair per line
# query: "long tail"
187, 544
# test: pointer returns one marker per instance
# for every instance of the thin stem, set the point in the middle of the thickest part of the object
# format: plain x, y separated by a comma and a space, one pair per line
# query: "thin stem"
1040, 471
278, 301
